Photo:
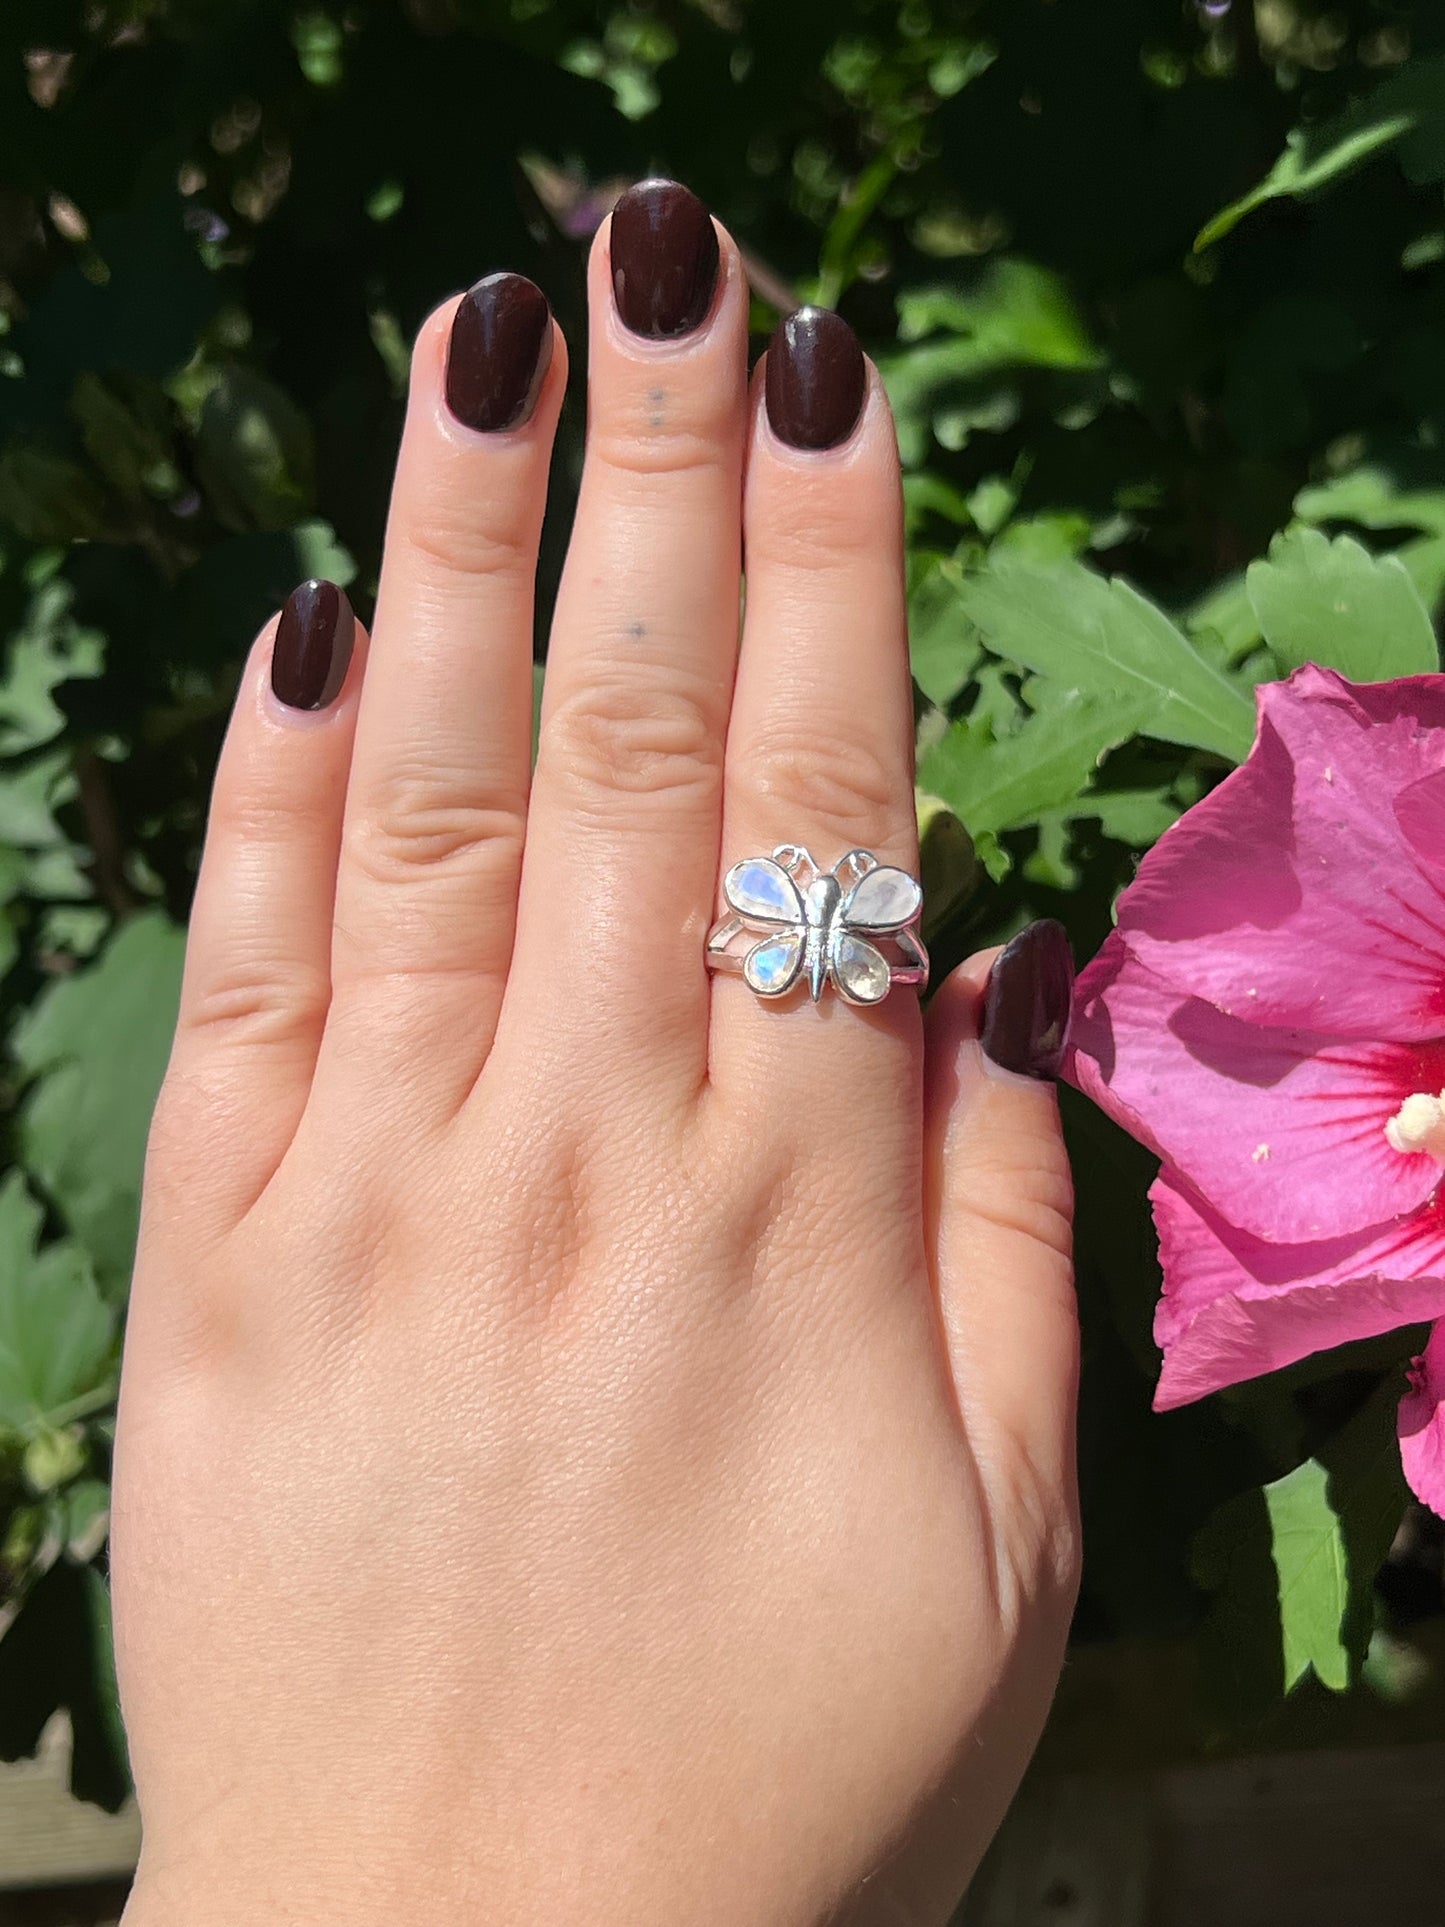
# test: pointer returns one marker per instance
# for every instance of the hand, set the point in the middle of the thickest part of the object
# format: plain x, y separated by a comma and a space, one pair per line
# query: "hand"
593, 1444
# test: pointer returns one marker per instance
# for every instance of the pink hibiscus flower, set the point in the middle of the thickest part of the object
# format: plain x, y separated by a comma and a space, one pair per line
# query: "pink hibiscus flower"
1269, 1017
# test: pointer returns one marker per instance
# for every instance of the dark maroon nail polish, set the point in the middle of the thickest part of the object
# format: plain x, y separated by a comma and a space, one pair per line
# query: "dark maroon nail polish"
312, 650
1027, 1000
816, 379
664, 259
499, 352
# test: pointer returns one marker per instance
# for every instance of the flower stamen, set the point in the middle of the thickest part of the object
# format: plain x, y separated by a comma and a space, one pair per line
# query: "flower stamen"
1419, 1125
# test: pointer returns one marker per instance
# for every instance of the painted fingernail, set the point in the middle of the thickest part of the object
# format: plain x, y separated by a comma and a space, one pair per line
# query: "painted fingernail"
816, 379
499, 352
1027, 999
664, 259
312, 650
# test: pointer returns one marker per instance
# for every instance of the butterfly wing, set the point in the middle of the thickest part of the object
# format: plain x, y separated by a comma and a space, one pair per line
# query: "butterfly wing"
858, 968
771, 967
762, 892
885, 899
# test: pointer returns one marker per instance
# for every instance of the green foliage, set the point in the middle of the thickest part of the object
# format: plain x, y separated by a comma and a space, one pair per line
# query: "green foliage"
1154, 452
57, 1336
1291, 1564
1404, 115
1333, 602
93, 1047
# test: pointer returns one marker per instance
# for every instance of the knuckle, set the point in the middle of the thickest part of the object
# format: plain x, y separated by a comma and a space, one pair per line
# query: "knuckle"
447, 531
648, 445
250, 1003
1019, 1184
829, 779
616, 739
815, 533
422, 824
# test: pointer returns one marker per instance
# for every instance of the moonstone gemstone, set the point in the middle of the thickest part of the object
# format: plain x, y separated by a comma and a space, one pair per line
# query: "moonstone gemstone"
885, 899
771, 966
762, 888
862, 971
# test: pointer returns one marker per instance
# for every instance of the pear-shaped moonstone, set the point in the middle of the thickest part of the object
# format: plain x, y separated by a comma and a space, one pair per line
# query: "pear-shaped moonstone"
862, 971
762, 888
771, 966
885, 899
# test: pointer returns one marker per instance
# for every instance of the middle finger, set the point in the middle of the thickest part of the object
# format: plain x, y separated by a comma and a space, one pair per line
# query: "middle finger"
627, 797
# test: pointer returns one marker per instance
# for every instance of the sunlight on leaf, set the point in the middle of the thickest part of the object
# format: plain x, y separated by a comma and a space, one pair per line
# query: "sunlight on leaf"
1334, 603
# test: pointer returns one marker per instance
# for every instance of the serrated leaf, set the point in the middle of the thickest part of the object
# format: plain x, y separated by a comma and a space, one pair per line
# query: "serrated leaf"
1000, 783
1334, 603
1292, 1563
97, 1042
57, 1335
1405, 113
1103, 639
1314, 1576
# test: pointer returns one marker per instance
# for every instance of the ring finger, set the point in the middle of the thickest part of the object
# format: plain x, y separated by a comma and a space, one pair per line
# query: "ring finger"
820, 749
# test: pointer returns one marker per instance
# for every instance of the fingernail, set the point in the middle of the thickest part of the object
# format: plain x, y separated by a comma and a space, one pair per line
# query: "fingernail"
1026, 1002
499, 352
816, 379
664, 259
312, 650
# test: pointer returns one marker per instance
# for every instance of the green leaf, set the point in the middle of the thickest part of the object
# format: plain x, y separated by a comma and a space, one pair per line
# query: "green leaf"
1016, 314
1292, 1563
255, 452
1104, 640
58, 1653
1007, 782
943, 650
1314, 1576
50, 649
97, 1042
1369, 496
948, 863
539, 678
57, 1335
1334, 603
1406, 112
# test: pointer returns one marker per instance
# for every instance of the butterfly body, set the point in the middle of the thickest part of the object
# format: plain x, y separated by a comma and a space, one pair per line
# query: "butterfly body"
817, 925
821, 900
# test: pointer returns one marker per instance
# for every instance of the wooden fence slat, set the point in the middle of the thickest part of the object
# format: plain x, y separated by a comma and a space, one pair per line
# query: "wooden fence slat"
49, 1839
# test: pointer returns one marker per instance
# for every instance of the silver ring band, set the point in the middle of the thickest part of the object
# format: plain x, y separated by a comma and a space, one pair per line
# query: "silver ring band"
854, 927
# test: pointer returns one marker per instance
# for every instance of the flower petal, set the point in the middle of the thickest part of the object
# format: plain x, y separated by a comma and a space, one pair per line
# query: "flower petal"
1234, 1306
1282, 1131
1293, 894
1422, 1424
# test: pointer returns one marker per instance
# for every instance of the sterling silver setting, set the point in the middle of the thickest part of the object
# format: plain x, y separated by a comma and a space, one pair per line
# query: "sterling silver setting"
854, 926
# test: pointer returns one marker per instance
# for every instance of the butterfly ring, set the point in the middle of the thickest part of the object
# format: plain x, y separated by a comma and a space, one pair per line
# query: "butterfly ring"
807, 924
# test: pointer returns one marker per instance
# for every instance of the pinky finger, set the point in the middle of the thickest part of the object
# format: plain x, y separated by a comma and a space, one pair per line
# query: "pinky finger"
257, 978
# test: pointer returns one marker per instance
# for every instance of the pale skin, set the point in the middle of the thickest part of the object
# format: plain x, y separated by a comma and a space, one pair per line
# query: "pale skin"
592, 1445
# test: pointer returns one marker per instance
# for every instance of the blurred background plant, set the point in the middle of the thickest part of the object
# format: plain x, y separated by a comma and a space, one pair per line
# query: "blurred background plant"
1158, 289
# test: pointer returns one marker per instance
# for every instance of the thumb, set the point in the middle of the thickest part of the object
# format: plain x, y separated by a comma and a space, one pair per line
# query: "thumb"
1000, 1210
